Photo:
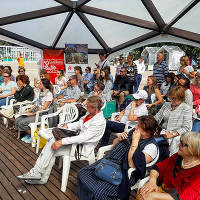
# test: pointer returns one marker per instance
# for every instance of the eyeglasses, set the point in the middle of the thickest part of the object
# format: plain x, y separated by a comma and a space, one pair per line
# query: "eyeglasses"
183, 144
6, 76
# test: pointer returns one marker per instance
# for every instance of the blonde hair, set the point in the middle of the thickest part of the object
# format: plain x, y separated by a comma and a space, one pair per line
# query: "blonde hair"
178, 92
185, 59
154, 85
192, 139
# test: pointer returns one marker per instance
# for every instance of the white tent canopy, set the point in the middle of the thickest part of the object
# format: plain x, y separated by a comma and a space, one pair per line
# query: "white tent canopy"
112, 26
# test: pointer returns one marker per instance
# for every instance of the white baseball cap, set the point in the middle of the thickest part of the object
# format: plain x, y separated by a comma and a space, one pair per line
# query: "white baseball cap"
140, 94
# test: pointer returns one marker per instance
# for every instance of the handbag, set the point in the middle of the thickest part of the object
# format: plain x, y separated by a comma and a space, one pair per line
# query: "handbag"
109, 171
60, 133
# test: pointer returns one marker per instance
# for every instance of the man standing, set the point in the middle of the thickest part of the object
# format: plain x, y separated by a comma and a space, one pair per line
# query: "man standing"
20, 60
160, 69
131, 72
121, 86
103, 62
121, 64
88, 80
141, 69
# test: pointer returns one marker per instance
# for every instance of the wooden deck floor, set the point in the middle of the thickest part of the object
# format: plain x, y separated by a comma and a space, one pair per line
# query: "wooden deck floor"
16, 158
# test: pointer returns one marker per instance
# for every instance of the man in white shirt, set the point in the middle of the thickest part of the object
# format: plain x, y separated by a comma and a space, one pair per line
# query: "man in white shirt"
91, 129
134, 110
141, 69
103, 62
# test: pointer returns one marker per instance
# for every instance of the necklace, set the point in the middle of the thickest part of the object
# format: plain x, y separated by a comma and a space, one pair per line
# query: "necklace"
187, 165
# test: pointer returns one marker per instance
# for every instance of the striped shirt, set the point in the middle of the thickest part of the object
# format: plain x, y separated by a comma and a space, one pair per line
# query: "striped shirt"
159, 71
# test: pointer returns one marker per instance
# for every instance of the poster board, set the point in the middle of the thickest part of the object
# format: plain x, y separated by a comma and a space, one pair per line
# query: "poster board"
75, 55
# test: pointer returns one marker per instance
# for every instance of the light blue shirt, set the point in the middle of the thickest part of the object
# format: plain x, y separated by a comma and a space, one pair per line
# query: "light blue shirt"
6, 89
88, 77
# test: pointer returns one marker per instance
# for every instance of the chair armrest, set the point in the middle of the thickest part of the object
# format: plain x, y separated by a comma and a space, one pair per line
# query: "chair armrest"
102, 150
38, 114
45, 117
130, 170
114, 115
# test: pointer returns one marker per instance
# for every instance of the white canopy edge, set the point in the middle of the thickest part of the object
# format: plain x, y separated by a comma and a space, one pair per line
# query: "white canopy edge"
157, 39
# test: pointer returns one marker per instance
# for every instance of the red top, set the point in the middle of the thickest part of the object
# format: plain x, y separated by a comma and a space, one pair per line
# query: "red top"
87, 118
186, 181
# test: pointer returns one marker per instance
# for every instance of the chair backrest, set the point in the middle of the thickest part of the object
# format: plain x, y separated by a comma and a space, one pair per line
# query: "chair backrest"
57, 89
69, 114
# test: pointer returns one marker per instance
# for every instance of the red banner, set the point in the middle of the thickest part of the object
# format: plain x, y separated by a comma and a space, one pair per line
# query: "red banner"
53, 60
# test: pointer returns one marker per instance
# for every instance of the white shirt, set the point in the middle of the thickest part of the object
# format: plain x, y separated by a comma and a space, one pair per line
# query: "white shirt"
140, 66
151, 150
62, 82
47, 97
102, 65
139, 111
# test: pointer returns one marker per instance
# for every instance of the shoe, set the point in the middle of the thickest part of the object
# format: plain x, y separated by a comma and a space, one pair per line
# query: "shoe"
34, 182
25, 137
33, 174
28, 139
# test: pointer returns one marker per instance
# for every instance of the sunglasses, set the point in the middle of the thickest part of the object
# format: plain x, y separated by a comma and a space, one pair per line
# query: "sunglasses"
21, 71
6, 76
183, 144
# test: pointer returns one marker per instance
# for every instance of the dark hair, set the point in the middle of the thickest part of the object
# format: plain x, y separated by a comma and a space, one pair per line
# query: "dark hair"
107, 74
124, 68
102, 54
47, 84
187, 82
150, 125
43, 71
1, 67
9, 68
89, 68
100, 85
23, 78
61, 71
79, 69
170, 75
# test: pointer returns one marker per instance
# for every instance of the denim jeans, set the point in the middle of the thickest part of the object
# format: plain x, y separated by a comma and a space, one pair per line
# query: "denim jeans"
196, 126
137, 83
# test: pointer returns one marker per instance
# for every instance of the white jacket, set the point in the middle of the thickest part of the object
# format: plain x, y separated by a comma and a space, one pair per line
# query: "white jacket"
90, 133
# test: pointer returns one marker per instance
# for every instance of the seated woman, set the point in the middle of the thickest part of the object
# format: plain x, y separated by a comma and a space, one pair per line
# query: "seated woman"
78, 72
176, 117
7, 88
61, 81
127, 148
185, 83
154, 100
195, 89
178, 176
22, 122
135, 109
9, 70
21, 71
167, 85
23, 93
106, 80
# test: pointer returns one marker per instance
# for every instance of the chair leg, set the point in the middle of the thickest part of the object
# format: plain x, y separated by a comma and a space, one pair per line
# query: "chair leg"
18, 136
33, 143
65, 172
91, 159
38, 144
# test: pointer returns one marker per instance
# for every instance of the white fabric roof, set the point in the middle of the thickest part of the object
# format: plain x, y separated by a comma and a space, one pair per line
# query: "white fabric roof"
113, 26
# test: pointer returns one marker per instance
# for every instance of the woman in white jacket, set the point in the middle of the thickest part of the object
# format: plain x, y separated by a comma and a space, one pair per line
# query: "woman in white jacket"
91, 127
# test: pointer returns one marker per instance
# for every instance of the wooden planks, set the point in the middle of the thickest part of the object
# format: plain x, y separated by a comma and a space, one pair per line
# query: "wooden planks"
16, 158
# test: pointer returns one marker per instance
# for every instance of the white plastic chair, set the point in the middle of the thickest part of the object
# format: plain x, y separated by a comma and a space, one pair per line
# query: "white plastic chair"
67, 114
140, 182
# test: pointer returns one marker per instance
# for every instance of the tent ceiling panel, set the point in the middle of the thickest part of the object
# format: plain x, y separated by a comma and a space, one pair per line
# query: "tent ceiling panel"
13, 7
77, 33
168, 9
42, 30
190, 21
115, 33
133, 8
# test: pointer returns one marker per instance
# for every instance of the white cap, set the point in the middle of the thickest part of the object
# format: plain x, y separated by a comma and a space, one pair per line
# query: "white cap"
140, 94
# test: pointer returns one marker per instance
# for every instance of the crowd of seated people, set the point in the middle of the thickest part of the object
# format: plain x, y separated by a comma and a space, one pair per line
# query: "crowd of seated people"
165, 112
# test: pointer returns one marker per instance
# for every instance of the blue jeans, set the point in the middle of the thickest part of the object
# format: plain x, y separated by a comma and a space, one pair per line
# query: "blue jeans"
196, 126
137, 82
111, 127
3, 102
